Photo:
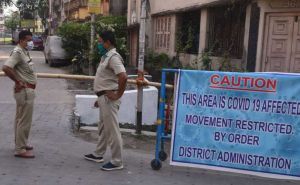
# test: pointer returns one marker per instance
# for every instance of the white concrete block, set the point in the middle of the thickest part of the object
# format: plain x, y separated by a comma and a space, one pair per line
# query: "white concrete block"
127, 113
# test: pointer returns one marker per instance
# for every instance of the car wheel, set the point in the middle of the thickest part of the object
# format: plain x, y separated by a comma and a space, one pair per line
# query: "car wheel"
51, 64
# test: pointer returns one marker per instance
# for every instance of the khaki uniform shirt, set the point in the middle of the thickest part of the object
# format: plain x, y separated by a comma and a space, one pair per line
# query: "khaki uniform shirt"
110, 66
21, 62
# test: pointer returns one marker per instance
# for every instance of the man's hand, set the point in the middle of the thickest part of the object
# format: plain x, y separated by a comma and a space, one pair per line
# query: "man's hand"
10, 72
19, 86
115, 95
96, 104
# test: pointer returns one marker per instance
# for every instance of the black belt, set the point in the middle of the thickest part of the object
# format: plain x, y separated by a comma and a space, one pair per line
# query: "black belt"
100, 93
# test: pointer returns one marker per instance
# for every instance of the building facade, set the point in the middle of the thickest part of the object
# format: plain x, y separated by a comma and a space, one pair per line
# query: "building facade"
278, 47
39, 28
256, 35
78, 9
133, 23
56, 15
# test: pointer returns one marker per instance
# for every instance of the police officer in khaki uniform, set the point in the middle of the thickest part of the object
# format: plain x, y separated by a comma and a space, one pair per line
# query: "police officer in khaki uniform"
19, 68
109, 85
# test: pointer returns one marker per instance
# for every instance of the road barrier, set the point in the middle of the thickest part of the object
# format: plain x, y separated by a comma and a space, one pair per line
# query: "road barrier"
83, 77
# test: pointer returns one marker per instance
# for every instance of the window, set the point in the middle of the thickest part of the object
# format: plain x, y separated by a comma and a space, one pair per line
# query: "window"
188, 31
162, 32
226, 30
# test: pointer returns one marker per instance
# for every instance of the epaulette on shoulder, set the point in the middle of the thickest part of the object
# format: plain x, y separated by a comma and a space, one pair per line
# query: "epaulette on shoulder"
117, 55
111, 53
17, 50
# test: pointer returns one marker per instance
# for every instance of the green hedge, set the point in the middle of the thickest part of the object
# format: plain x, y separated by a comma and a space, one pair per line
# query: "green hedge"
76, 36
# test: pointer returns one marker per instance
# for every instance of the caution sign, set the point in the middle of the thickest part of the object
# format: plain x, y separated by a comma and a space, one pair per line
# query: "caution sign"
239, 122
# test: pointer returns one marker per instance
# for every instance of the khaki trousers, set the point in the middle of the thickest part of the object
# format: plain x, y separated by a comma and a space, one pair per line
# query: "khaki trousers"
109, 131
24, 100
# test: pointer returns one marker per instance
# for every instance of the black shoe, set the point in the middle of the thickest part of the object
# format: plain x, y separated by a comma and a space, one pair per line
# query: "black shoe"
91, 157
109, 167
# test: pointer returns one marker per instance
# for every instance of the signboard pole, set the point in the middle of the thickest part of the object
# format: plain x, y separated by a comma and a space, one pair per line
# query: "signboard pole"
93, 8
139, 111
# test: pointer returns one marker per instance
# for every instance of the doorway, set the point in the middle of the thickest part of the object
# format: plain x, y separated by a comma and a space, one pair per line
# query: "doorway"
282, 48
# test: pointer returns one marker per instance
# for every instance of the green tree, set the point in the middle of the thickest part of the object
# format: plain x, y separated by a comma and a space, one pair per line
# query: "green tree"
43, 11
76, 36
12, 21
27, 8
5, 3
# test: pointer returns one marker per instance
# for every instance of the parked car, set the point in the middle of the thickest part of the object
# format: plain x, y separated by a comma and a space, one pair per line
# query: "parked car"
54, 53
37, 43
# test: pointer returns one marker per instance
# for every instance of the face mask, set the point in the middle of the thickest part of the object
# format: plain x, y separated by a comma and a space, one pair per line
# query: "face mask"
102, 51
29, 45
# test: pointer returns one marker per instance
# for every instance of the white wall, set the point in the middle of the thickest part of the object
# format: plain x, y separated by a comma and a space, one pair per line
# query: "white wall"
127, 114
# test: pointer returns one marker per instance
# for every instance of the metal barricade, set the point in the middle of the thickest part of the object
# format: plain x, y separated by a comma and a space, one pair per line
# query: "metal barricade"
161, 133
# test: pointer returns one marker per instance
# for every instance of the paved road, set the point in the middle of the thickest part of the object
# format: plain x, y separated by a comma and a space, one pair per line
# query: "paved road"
59, 152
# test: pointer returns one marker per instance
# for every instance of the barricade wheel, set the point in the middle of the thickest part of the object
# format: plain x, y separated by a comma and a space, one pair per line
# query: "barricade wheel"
162, 155
155, 164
